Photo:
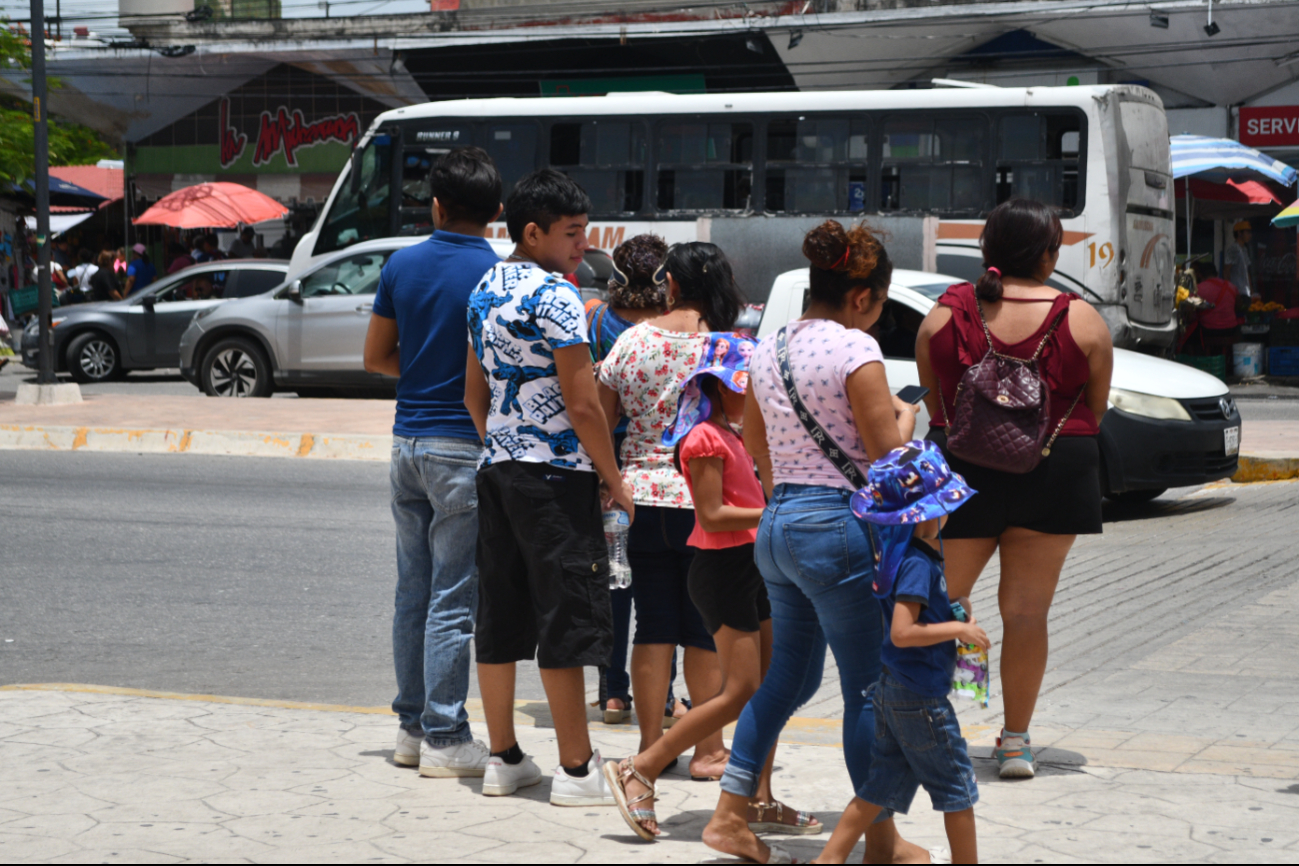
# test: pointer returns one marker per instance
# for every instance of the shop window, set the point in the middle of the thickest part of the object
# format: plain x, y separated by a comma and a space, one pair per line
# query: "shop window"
704, 166
817, 165
607, 157
513, 147
1038, 158
934, 165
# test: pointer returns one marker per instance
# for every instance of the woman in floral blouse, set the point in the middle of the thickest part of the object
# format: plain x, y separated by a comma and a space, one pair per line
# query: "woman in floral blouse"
641, 379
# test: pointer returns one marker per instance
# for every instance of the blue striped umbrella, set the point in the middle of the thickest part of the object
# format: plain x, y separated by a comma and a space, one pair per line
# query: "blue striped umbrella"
1219, 160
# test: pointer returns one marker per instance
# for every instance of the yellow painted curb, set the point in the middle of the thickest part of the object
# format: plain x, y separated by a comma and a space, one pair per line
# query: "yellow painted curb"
237, 443
1259, 468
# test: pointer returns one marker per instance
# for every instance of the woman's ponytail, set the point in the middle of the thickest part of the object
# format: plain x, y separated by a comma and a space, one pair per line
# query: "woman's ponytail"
989, 287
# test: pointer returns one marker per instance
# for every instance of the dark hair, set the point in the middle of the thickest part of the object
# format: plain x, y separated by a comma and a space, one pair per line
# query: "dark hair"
711, 387
705, 277
639, 258
543, 197
467, 184
85, 255
1204, 270
846, 259
177, 249
1014, 239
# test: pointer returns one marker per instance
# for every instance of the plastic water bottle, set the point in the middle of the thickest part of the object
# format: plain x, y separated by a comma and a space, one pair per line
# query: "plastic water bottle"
616, 524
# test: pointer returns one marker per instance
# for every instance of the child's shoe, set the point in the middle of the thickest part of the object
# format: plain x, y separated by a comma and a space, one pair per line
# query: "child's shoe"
1014, 756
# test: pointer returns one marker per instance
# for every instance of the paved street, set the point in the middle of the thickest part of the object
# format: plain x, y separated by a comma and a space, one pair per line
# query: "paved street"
1168, 727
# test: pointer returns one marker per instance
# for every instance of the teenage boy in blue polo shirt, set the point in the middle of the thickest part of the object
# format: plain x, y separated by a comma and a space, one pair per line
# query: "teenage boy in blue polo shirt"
417, 333
908, 495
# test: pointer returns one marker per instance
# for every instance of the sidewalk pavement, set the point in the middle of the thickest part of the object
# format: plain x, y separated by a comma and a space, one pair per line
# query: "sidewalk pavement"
350, 430
119, 776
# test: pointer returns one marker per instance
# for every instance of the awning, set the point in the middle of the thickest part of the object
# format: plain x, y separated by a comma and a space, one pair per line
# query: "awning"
60, 223
1219, 160
61, 193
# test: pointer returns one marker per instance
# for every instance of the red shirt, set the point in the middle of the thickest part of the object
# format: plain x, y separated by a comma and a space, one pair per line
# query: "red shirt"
961, 344
740, 486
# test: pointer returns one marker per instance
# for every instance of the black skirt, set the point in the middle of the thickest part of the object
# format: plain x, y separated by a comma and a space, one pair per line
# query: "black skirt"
1062, 496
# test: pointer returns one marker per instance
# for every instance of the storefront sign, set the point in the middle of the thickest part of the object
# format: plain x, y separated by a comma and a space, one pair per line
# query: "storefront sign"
284, 132
1270, 126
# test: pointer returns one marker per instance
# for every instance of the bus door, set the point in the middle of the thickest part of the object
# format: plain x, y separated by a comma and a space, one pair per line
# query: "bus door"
1145, 255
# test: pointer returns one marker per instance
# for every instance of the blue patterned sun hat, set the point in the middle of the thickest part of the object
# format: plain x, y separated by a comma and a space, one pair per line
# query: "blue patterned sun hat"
910, 485
727, 359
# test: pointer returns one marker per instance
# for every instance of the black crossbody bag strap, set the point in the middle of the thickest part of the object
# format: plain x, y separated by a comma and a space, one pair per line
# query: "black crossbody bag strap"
823, 440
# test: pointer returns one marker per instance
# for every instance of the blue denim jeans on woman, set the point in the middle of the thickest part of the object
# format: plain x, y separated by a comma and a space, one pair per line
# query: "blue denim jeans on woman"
435, 506
816, 559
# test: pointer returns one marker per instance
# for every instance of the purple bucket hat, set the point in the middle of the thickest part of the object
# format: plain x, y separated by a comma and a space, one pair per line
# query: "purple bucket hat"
910, 485
727, 358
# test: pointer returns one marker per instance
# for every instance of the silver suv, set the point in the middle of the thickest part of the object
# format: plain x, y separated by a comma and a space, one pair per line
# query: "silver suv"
307, 335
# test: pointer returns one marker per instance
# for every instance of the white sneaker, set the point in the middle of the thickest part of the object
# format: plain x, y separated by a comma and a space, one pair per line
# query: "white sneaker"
502, 779
407, 752
463, 759
593, 790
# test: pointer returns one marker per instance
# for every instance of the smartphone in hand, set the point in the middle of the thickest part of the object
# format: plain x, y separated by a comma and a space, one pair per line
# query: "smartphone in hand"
913, 394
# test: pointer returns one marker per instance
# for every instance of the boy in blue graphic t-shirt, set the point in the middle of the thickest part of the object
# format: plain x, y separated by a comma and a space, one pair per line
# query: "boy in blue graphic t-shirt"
909, 493
542, 562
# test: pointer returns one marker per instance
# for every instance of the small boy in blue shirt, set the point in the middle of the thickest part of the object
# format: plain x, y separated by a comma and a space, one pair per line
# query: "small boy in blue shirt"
910, 492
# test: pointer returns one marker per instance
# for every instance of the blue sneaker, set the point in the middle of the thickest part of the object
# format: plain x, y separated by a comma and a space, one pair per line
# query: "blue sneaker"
1014, 757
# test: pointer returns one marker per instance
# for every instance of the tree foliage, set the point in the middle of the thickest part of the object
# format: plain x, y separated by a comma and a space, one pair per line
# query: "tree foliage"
70, 143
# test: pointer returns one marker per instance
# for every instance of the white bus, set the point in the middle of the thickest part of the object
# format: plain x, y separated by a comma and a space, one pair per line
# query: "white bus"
752, 171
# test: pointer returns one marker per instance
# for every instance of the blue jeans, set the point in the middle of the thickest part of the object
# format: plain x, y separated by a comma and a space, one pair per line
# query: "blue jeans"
435, 506
816, 559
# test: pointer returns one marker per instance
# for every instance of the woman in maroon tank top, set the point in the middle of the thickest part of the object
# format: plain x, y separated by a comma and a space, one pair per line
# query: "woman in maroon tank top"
1031, 519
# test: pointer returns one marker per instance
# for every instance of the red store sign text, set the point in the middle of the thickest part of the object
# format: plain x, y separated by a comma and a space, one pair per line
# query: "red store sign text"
284, 132
1270, 126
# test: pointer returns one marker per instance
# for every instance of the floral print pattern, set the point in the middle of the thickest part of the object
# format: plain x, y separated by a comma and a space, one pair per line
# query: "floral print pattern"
647, 368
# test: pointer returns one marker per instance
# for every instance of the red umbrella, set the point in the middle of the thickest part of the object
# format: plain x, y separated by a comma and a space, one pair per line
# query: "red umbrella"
212, 205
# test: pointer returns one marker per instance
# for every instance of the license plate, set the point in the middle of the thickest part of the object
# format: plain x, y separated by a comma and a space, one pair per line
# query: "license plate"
1231, 440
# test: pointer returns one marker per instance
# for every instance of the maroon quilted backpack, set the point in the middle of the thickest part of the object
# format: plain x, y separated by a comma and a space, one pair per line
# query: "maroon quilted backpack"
1003, 410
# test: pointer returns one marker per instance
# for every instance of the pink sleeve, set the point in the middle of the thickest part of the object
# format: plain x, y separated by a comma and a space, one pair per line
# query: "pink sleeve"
857, 350
703, 441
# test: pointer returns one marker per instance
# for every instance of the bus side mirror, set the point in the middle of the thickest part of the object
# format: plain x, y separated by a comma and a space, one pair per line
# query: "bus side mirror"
294, 293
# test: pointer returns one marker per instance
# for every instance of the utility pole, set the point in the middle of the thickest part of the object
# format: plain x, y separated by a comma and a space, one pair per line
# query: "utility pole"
41, 137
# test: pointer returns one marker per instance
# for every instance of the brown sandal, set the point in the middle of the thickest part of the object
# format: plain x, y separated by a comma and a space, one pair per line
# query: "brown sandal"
617, 775
805, 824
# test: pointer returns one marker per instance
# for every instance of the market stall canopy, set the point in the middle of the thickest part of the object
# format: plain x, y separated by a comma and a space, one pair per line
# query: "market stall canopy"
61, 222
212, 206
1288, 217
1219, 160
1233, 200
62, 193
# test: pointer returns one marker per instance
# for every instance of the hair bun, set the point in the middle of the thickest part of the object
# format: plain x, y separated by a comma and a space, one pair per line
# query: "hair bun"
827, 246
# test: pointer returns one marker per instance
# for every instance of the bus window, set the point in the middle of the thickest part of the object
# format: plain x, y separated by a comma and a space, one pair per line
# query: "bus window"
513, 147
607, 157
934, 165
419, 152
817, 165
704, 166
1037, 158
360, 210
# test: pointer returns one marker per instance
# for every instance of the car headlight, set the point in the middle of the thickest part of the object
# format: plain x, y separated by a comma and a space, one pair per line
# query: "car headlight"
1148, 405
203, 314
54, 323
33, 326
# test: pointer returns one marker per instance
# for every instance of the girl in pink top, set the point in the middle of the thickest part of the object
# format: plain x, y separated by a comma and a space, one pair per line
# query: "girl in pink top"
724, 583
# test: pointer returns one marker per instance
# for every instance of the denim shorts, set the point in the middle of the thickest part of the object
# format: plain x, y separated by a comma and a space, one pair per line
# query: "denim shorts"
917, 742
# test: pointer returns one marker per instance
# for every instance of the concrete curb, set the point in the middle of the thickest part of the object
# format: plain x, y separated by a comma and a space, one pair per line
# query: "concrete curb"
215, 442
1266, 467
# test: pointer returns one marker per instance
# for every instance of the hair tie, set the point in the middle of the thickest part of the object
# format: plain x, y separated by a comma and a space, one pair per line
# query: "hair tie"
996, 271
843, 261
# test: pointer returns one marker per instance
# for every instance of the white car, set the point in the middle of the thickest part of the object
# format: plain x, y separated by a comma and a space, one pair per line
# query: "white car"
1169, 425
